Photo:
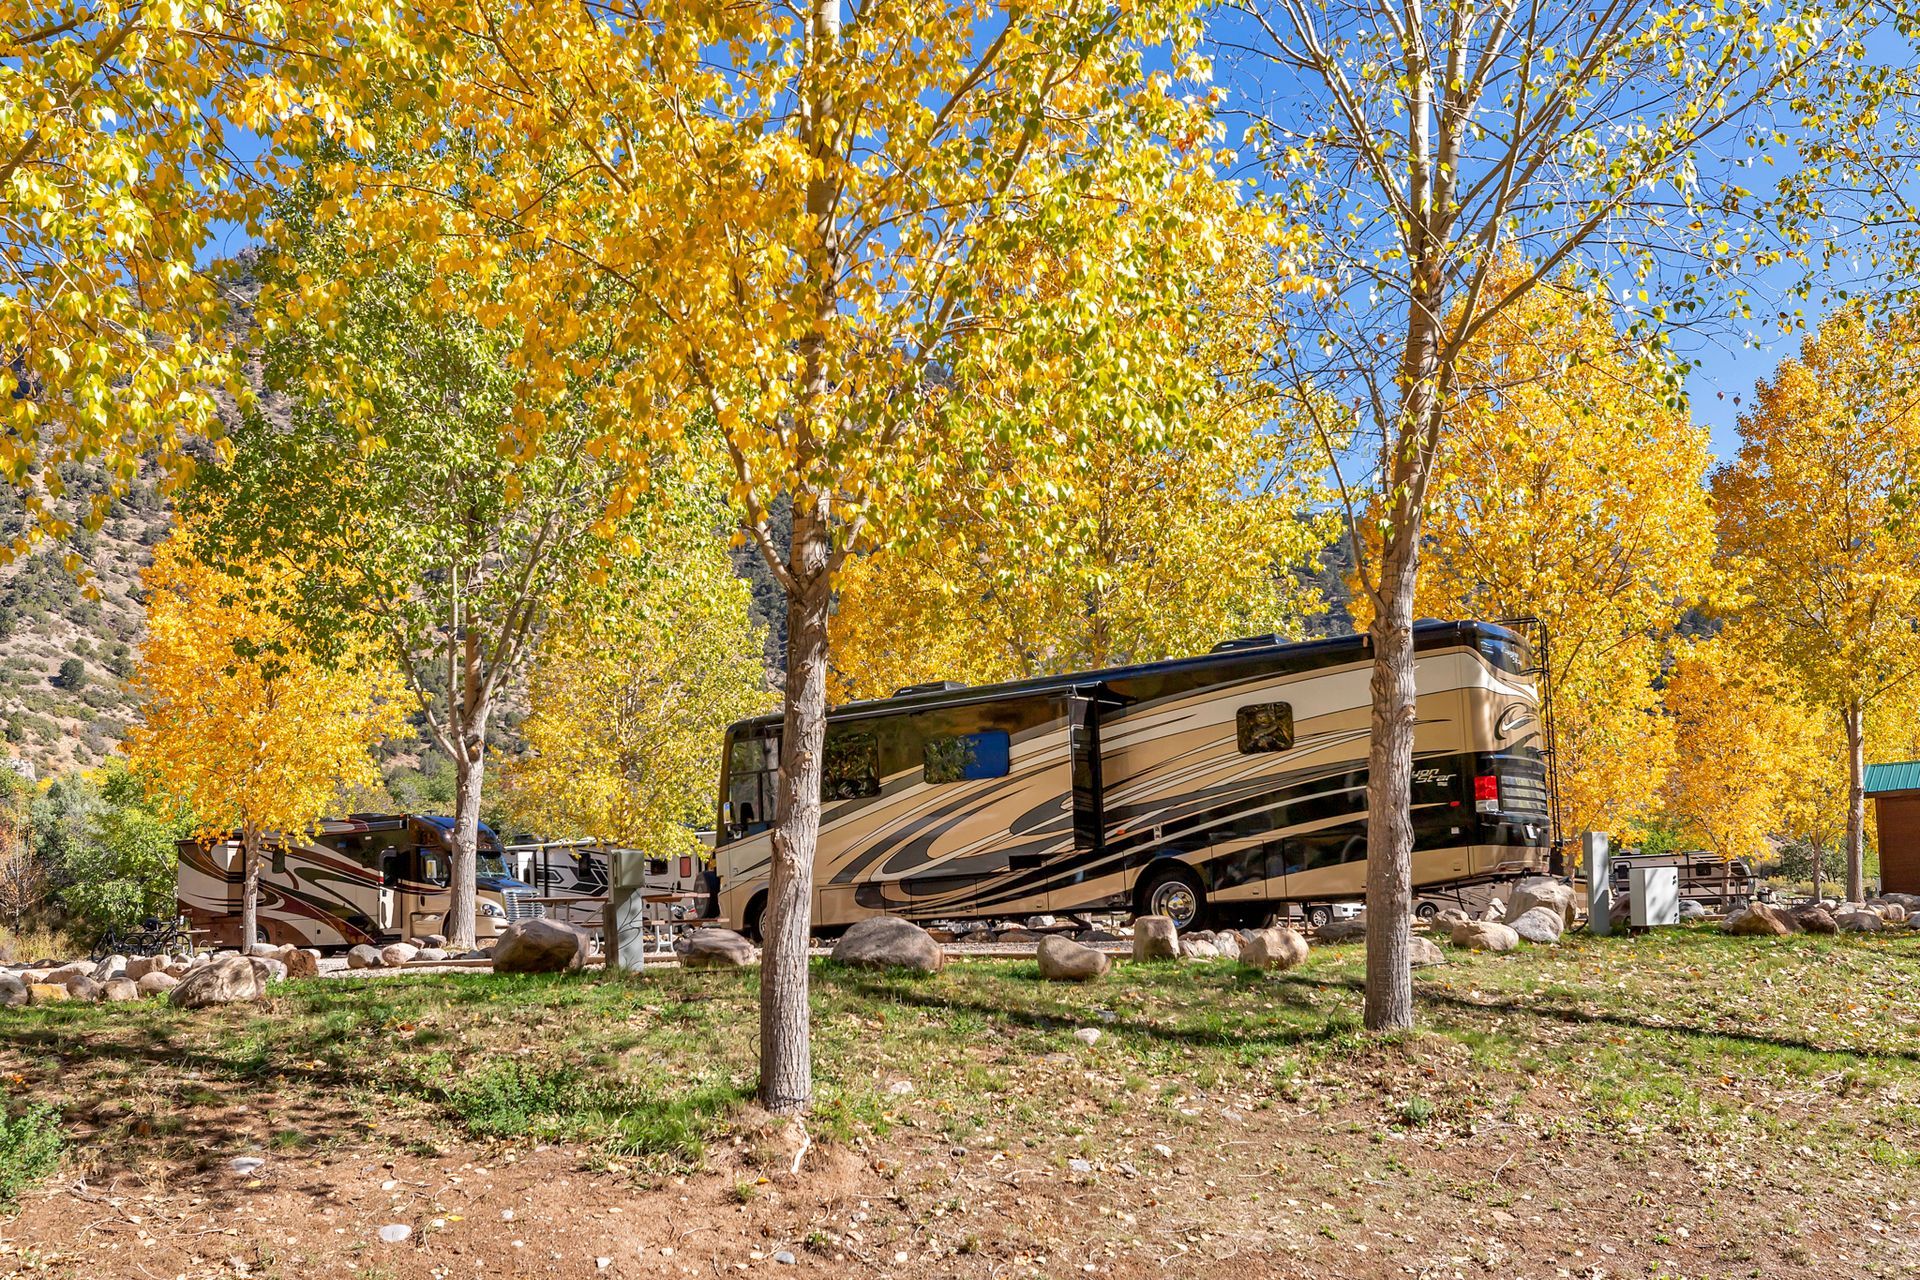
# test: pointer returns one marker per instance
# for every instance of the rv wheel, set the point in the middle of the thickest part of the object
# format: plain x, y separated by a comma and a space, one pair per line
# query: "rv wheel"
1176, 894
750, 923
1426, 911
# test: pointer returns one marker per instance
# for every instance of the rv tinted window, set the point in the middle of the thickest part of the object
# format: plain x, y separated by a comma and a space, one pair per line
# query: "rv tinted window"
1505, 654
1266, 727
967, 757
852, 766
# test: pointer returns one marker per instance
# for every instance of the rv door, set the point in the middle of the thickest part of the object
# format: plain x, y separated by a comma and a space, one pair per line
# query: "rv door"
391, 863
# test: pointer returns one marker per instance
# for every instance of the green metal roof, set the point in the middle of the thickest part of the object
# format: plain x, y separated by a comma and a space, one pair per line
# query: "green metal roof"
1902, 775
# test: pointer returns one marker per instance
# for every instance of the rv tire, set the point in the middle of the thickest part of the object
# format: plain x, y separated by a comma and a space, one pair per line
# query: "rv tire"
1174, 890
750, 919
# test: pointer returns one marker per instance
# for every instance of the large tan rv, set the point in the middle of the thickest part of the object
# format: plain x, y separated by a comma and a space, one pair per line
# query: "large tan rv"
372, 878
1210, 789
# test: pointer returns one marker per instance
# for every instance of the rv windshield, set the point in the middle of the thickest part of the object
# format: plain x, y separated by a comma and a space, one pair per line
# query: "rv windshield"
491, 864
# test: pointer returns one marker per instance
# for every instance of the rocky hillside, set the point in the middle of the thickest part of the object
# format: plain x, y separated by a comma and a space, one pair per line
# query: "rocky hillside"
69, 642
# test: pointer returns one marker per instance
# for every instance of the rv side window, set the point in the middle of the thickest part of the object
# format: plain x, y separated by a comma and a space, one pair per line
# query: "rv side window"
1267, 726
967, 757
280, 857
852, 765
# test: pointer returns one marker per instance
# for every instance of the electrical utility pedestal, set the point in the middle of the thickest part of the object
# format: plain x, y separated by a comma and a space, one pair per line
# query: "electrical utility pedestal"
1596, 858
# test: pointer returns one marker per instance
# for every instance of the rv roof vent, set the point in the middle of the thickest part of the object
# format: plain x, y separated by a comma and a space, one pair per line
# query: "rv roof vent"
931, 686
1248, 642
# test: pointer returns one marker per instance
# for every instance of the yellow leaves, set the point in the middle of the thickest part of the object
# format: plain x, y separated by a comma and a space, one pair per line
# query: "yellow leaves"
632, 689
238, 722
1570, 491
1745, 744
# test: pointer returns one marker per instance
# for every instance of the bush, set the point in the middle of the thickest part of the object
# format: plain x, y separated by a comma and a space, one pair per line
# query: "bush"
29, 1150
73, 674
109, 847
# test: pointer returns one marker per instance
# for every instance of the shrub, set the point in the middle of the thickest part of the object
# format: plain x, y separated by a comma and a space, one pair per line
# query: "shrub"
73, 674
29, 1150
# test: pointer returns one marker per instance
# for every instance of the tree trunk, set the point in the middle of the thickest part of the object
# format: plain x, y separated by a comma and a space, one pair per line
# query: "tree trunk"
1856, 804
1389, 1002
462, 894
249, 886
467, 722
786, 1064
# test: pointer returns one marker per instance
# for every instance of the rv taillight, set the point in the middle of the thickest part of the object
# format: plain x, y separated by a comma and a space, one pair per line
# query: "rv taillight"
1486, 793
686, 867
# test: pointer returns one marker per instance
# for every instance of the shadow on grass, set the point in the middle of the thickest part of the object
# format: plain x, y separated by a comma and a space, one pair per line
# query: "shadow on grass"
1314, 1026
1514, 1006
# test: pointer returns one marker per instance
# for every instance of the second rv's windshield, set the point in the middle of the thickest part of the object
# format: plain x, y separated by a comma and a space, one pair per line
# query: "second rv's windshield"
1506, 653
491, 864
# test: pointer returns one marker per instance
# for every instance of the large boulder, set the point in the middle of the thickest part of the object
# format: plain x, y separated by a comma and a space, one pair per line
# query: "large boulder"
1543, 923
13, 992
47, 993
140, 966
269, 968
1228, 945
540, 946
1199, 949
1690, 909
431, 955
715, 949
1422, 952
1891, 912
59, 974
1155, 938
1277, 948
1484, 935
301, 962
1814, 918
109, 967
1758, 920
232, 979
1861, 921
82, 987
156, 983
1064, 961
1342, 930
398, 953
1534, 894
888, 942
118, 989
364, 957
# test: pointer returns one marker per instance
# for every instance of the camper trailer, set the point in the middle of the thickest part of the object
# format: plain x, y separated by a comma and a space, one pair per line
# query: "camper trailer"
373, 878
565, 871
1216, 788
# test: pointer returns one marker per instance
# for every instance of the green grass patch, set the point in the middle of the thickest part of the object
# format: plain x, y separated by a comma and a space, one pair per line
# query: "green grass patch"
30, 1146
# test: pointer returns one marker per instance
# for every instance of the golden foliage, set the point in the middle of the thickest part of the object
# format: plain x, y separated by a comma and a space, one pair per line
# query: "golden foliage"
1571, 488
1818, 513
116, 166
633, 686
240, 725
1748, 748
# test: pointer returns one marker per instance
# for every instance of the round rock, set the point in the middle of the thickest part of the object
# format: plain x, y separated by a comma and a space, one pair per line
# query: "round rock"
888, 942
1064, 961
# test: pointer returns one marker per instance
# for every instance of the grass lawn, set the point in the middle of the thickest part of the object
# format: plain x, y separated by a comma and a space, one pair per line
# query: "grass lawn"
1678, 1105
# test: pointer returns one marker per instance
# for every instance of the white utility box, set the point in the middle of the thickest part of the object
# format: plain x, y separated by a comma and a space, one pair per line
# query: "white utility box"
1654, 895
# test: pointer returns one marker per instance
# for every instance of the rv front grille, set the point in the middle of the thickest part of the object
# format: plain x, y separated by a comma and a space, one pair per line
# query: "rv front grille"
518, 908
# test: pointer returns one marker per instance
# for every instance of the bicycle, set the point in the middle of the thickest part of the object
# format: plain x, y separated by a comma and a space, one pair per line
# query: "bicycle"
152, 937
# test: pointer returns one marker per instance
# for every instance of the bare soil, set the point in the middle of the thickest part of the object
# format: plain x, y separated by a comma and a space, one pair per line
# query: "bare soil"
1520, 1138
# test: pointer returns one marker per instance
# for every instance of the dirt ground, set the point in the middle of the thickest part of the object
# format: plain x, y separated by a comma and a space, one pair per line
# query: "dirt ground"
1284, 1190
